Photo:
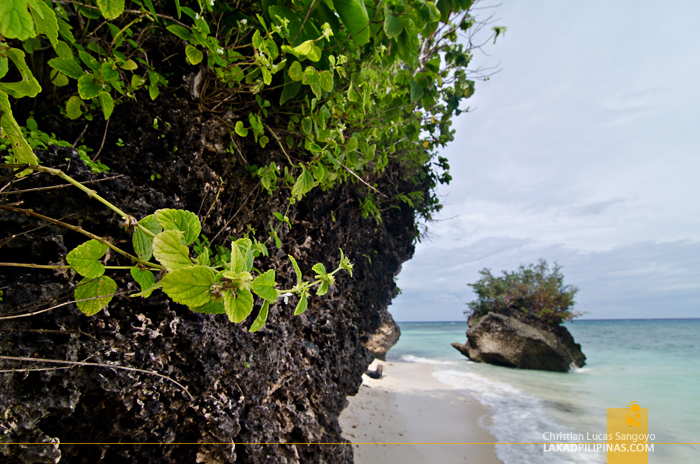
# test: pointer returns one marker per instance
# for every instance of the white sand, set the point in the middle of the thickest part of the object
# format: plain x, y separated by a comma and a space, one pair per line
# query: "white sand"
407, 416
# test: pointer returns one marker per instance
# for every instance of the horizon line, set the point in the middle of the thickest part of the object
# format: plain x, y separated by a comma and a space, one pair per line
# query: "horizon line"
577, 320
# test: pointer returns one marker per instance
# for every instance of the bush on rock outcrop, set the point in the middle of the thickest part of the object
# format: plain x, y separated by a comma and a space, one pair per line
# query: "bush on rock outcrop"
516, 320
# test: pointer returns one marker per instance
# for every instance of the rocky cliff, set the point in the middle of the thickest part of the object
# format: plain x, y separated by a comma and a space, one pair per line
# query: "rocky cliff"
506, 340
284, 385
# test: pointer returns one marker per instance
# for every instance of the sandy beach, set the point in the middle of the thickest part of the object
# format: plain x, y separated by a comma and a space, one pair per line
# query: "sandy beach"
408, 416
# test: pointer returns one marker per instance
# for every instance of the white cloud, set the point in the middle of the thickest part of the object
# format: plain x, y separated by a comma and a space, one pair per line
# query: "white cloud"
583, 149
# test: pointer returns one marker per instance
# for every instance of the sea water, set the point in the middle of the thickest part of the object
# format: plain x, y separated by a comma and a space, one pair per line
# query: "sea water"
653, 362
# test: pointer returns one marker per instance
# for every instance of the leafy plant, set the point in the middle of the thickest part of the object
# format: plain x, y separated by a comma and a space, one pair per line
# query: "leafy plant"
344, 87
222, 283
531, 291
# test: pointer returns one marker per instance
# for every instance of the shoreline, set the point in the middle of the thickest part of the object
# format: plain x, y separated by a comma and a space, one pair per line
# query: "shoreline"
409, 416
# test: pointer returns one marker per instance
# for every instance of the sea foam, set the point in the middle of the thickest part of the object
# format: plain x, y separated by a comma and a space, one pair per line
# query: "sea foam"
515, 417
418, 359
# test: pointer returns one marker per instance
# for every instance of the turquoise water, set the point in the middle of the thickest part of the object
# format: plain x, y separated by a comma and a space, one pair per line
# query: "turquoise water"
653, 362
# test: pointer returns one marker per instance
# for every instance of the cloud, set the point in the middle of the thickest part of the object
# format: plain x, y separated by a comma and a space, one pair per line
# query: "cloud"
579, 152
597, 207
642, 280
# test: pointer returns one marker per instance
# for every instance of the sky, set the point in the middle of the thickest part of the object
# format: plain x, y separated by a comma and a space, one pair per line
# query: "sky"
584, 149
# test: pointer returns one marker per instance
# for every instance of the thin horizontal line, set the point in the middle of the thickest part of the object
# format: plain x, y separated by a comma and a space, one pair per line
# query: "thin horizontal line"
349, 443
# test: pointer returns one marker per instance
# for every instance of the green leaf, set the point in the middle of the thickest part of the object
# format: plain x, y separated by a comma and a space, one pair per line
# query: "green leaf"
416, 91
304, 48
181, 32
137, 81
64, 29
354, 16
85, 259
345, 262
190, 285
297, 271
352, 144
88, 88
319, 171
22, 152
153, 91
241, 129
239, 307
306, 125
320, 269
311, 76
4, 66
295, 71
498, 30
236, 279
63, 50
97, 293
303, 184
149, 5
146, 279
194, 56
45, 20
302, 305
107, 104
326, 81
67, 66
392, 26
146, 293
28, 86
242, 255
353, 160
129, 65
257, 40
108, 72
89, 60
264, 286
352, 94
278, 242
31, 45
143, 244
89, 13
111, 9
316, 89
210, 308
262, 317
203, 257
178, 219
15, 20
74, 107
290, 90
236, 264
315, 54
170, 251
58, 78
267, 77
322, 289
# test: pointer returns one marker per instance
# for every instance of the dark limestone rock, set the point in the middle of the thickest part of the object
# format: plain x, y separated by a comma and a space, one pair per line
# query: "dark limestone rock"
286, 383
508, 341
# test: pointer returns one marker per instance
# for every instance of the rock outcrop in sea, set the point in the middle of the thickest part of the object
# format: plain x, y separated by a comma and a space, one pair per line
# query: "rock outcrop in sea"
506, 340
386, 336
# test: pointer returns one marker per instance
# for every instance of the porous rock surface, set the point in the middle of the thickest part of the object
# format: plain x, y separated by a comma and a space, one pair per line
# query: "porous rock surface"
386, 336
284, 384
506, 340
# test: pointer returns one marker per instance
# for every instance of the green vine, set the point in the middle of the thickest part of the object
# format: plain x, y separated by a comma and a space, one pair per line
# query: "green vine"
226, 284
344, 88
